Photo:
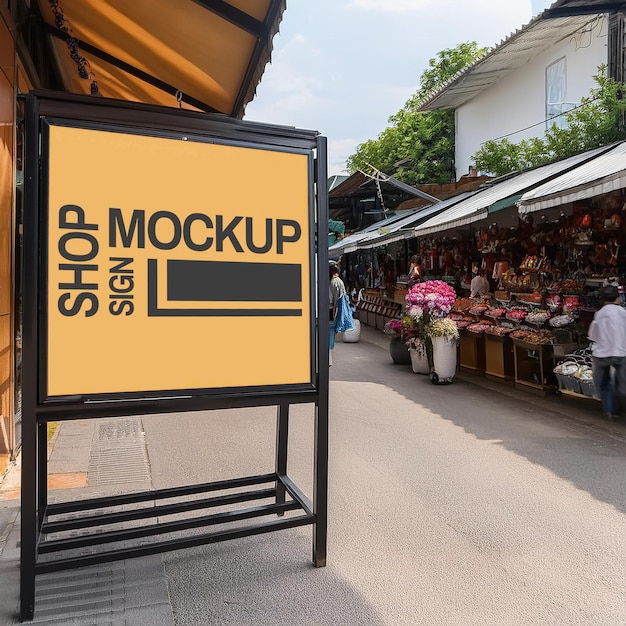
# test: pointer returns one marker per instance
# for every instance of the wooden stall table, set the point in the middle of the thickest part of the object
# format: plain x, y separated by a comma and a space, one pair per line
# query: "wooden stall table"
499, 357
472, 351
533, 365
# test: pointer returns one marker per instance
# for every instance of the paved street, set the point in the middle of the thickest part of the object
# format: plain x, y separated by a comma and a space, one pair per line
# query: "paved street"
448, 505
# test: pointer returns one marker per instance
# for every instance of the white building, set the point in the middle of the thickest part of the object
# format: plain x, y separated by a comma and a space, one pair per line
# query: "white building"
524, 84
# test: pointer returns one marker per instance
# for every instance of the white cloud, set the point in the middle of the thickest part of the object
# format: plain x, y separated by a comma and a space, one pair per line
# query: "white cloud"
502, 7
391, 6
338, 151
344, 72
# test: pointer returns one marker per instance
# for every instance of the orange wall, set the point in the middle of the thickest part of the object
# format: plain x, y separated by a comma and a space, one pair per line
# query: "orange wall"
7, 147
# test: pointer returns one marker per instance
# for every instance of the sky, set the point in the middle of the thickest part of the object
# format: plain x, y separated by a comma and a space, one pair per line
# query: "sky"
343, 67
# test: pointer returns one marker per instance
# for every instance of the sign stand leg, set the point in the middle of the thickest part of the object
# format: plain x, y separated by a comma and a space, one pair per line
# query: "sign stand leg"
30, 523
282, 440
320, 486
42, 473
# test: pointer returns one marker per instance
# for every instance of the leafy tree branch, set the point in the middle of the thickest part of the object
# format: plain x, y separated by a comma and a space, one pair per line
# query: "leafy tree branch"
418, 148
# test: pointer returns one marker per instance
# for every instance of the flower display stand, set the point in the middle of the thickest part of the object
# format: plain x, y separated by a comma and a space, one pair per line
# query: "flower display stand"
419, 363
444, 360
399, 352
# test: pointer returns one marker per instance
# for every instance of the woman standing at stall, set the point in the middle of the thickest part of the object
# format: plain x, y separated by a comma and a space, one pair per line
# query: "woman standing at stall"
415, 271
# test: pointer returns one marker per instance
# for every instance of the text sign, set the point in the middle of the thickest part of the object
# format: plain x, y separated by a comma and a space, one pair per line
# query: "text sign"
175, 265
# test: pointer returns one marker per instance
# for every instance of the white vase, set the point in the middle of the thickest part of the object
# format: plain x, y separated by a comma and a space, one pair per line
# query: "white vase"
444, 358
419, 363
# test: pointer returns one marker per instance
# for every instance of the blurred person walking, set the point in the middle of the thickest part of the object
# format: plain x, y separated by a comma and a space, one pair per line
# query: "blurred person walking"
340, 312
608, 333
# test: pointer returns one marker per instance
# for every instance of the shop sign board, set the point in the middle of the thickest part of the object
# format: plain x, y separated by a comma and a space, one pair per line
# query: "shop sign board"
174, 263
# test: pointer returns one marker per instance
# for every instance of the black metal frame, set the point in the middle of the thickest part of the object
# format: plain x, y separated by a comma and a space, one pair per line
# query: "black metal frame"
45, 546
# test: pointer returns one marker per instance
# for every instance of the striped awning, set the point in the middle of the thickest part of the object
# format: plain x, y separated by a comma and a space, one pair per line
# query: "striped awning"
476, 207
603, 174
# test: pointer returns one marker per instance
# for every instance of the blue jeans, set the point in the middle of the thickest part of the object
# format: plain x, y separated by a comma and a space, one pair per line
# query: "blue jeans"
331, 327
609, 377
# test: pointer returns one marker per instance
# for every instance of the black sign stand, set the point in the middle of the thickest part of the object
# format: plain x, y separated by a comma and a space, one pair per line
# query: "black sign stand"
86, 532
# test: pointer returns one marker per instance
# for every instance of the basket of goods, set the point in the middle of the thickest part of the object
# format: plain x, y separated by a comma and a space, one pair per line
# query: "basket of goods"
478, 328
516, 315
553, 302
570, 303
478, 309
571, 285
532, 298
499, 331
518, 284
538, 337
585, 380
559, 321
464, 322
565, 375
495, 312
538, 317
462, 304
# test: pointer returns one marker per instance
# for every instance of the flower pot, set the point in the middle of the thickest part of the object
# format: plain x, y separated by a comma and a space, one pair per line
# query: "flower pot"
419, 362
399, 352
444, 359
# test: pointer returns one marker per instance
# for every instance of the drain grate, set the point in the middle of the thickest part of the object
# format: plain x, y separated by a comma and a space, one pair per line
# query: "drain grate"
119, 454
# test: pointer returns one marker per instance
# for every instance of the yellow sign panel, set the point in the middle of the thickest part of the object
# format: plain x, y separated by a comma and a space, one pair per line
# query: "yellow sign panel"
175, 265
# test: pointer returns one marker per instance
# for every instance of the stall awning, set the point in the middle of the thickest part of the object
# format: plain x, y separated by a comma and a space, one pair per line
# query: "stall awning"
350, 243
205, 54
605, 173
405, 228
505, 203
477, 207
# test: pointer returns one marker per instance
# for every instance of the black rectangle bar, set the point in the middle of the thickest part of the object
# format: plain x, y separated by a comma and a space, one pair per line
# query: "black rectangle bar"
226, 281
157, 494
145, 549
155, 511
161, 528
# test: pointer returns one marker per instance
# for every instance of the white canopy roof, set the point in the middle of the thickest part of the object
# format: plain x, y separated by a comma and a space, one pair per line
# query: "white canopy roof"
477, 206
404, 229
512, 53
349, 243
605, 173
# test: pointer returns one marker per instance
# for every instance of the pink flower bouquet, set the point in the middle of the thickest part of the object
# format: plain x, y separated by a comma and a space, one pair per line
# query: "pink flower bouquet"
433, 297
393, 328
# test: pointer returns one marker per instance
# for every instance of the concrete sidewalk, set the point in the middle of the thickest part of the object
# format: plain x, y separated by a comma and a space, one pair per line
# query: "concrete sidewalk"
135, 591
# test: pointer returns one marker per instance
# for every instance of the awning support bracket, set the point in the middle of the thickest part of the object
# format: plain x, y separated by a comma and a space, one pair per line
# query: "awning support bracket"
132, 70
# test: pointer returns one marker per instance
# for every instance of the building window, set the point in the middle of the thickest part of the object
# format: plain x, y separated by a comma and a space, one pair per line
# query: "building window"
556, 92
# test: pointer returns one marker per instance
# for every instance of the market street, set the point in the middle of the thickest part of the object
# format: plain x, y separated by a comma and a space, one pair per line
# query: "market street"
452, 505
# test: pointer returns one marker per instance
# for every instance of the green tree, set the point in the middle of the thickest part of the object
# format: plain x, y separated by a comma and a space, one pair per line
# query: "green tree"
597, 121
417, 147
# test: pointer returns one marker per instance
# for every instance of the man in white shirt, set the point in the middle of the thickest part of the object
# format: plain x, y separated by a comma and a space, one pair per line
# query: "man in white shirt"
608, 333
479, 285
